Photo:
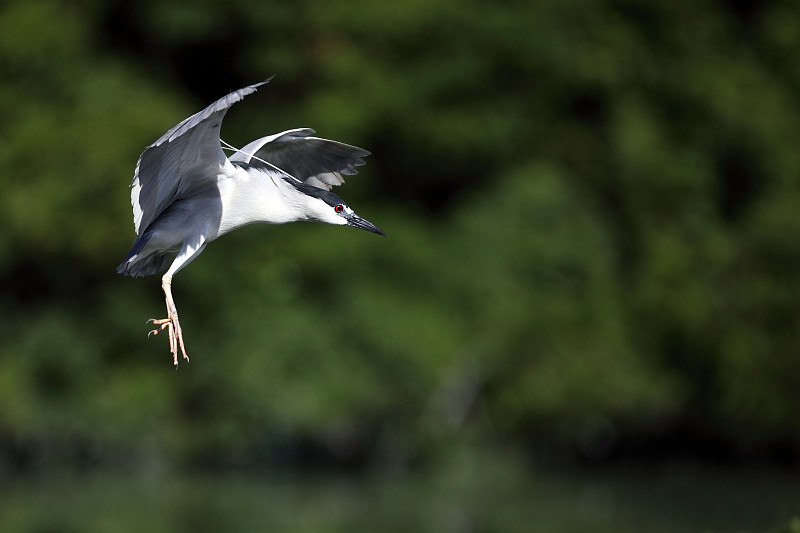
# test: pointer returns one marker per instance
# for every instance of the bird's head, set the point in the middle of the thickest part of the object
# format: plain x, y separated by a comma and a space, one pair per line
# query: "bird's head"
324, 206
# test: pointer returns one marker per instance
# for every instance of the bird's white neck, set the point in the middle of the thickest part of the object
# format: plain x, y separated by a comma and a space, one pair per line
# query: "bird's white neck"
254, 195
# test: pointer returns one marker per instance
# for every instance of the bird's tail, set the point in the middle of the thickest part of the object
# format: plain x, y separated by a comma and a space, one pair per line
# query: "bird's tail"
136, 265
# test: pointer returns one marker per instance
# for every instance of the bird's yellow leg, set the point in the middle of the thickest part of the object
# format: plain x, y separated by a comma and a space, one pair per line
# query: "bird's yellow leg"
171, 323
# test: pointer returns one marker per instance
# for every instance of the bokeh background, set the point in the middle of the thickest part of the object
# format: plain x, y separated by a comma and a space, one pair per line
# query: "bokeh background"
584, 316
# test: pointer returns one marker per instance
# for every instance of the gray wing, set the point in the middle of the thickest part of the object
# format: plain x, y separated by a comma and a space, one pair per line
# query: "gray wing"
318, 162
186, 159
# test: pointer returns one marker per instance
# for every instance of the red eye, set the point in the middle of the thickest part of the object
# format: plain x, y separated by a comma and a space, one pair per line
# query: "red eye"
339, 208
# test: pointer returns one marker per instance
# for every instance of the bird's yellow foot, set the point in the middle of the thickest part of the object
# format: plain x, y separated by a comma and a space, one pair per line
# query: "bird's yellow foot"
173, 328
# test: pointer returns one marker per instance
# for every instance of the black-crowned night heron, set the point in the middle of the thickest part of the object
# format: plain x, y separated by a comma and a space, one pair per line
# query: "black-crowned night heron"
187, 193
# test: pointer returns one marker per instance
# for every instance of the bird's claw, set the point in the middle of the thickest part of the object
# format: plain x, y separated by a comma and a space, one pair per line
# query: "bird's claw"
173, 327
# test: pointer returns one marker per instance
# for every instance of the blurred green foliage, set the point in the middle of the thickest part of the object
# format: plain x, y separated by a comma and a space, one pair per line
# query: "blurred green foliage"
592, 210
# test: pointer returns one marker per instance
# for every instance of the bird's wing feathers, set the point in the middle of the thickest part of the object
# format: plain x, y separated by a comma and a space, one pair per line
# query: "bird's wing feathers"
318, 162
185, 159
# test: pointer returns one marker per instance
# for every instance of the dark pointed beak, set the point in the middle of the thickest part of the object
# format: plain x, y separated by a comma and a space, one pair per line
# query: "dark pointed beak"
362, 223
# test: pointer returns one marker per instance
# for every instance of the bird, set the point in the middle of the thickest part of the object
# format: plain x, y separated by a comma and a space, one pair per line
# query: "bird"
187, 193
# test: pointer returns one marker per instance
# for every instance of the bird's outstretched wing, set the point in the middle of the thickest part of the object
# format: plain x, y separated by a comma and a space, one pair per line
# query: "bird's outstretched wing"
318, 162
184, 160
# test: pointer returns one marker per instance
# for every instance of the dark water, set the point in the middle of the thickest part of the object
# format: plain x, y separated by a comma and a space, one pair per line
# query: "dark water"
469, 494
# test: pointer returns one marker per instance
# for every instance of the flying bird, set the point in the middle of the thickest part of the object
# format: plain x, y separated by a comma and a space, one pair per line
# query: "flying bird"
186, 193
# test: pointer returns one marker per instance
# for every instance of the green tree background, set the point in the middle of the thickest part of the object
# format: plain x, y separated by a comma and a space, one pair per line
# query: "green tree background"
592, 211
